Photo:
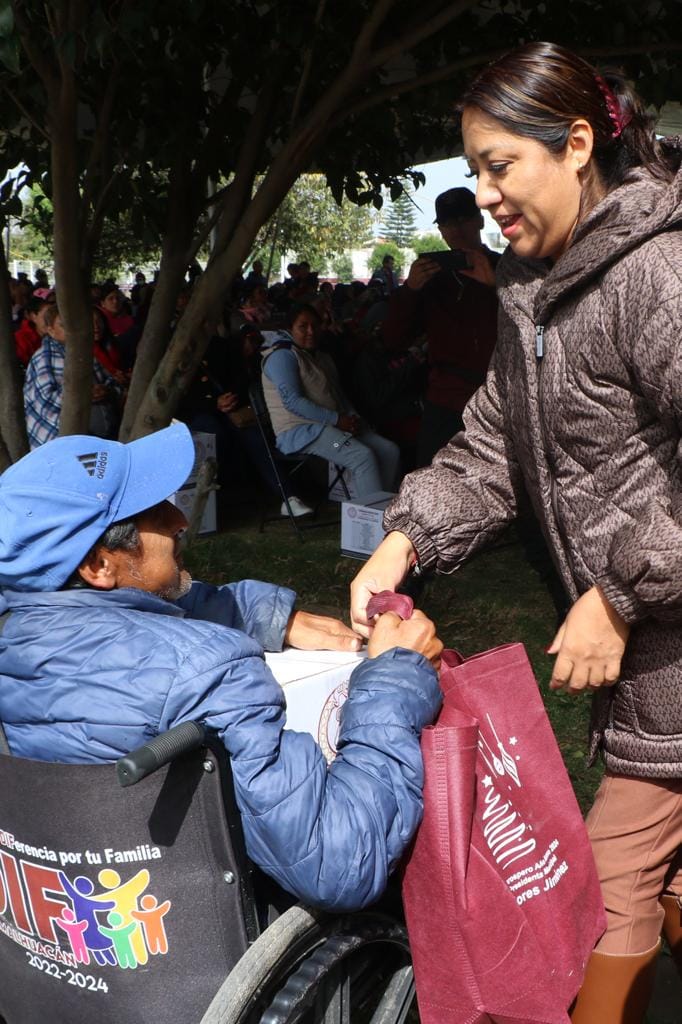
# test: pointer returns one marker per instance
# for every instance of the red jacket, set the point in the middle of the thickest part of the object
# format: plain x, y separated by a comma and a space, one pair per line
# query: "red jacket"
26, 340
458, 317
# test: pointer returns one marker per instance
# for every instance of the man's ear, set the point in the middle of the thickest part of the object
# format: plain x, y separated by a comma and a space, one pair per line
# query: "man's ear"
98, 569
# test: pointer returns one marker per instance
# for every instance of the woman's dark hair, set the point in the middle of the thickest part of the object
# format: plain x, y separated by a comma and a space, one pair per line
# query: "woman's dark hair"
297, 310
540, 89
121, 536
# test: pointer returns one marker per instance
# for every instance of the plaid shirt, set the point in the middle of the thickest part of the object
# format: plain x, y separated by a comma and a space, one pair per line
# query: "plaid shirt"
43, 386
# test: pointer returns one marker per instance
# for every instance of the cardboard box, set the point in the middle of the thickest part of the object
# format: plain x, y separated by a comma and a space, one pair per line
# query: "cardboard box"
361, 524
184, 499
315, 685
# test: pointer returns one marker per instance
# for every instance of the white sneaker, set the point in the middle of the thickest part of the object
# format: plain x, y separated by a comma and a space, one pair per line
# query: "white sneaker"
298, 508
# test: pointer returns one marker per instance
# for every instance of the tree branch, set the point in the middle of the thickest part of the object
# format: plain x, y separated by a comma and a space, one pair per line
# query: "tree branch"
39, 62
29, 117
420, 31
103, 121
408, 85
380, 96
369, 30
307, 64
200, 238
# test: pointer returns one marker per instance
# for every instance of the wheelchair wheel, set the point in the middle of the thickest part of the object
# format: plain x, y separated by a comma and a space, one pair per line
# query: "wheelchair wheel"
311, 968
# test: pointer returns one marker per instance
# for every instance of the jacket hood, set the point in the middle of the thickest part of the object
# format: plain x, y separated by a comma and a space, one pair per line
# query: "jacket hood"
638, 210
272, 340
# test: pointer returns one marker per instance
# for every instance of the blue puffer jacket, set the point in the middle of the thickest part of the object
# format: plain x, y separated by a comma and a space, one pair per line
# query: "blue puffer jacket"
88, 675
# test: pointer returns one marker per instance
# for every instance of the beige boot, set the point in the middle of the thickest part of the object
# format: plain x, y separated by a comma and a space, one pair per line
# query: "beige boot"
616, 989
672, 927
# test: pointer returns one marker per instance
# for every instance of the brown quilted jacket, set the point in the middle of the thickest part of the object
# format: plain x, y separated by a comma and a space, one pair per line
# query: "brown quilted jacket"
590, 431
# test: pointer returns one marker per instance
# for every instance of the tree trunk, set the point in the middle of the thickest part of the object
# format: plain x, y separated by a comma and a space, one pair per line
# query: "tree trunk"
154, 340
12, 421
172, 269
72, 294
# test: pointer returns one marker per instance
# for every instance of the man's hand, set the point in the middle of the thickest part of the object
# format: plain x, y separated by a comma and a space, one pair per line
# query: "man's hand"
385, 570
349, 423
100, 392
589, 645
310, 632
480, 267
227, 401
421, 272
416, 634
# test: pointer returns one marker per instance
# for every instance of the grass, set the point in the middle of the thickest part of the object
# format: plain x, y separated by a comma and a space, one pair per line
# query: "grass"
497, 598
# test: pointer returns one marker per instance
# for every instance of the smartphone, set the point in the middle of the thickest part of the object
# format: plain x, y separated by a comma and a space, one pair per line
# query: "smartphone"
449, 259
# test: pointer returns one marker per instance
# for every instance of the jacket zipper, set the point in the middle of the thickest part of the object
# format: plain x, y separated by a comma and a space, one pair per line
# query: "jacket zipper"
539, 341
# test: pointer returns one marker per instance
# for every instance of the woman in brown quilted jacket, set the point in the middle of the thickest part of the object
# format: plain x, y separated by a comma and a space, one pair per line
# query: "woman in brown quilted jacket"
581, 413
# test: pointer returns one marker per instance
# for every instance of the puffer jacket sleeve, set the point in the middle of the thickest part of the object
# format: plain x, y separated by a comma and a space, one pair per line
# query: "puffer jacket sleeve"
644, 577
470, 491
328, 834
261, 610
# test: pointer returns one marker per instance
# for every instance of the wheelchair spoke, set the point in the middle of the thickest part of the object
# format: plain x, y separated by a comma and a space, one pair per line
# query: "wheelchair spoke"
397, 999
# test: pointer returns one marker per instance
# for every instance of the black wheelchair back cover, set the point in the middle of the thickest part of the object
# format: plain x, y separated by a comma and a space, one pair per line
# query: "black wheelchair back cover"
116, 905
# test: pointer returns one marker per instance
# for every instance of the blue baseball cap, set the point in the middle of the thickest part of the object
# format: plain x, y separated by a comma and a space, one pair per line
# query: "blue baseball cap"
58, 500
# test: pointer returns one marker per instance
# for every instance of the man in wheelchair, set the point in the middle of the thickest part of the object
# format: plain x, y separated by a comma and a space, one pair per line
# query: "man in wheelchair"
109, 642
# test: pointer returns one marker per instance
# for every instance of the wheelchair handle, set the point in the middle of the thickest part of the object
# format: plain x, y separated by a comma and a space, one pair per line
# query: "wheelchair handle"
181, 739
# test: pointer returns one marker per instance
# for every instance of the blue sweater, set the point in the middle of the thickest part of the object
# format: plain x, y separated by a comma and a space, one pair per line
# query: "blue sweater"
88, 675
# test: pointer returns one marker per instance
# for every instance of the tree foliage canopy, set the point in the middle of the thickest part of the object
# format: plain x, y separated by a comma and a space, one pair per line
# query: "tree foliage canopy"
313, 226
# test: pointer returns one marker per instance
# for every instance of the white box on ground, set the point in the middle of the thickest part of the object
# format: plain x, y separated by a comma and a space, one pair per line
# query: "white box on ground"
315, 685
204, 448
184, 500
361, 524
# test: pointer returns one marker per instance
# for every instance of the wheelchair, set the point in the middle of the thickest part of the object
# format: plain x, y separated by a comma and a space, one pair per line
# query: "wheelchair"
126, 896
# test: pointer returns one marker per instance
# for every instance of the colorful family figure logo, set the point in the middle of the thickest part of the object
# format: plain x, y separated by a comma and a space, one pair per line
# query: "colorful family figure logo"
117, 926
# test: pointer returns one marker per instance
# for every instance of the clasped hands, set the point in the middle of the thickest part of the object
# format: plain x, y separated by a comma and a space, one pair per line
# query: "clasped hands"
310, 632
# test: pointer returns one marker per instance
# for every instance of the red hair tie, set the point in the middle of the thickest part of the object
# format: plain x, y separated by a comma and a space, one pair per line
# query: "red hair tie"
613, 108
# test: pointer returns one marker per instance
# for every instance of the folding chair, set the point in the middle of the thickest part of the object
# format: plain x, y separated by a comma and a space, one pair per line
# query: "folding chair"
286, 466
138, 905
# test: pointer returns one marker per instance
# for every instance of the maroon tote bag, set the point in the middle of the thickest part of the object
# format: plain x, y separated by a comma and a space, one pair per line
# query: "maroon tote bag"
500, 890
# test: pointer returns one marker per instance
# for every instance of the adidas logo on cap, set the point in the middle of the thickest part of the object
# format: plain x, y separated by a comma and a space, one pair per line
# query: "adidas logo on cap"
94, 463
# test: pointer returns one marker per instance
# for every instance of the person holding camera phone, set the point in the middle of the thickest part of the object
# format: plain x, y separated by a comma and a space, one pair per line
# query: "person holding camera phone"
448, 297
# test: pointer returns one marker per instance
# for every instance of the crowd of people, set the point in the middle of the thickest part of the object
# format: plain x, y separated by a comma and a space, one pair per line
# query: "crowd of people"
372, 376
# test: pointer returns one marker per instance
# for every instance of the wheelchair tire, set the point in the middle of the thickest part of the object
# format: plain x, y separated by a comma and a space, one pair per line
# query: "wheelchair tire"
311, 967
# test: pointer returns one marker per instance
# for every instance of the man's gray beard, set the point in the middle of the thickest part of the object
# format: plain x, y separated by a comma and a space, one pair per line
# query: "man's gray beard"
176, 590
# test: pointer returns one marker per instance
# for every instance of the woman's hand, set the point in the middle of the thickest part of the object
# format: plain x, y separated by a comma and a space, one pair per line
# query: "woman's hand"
589, 645
415, 634
385, 570
310, 632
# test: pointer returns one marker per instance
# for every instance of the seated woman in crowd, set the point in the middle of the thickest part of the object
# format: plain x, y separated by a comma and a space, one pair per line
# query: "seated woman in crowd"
217, 402
310, 412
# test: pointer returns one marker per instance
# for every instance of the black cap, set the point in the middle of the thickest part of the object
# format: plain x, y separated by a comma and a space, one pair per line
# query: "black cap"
454, 204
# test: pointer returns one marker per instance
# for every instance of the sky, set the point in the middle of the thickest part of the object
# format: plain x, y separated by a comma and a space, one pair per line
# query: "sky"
440, 176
